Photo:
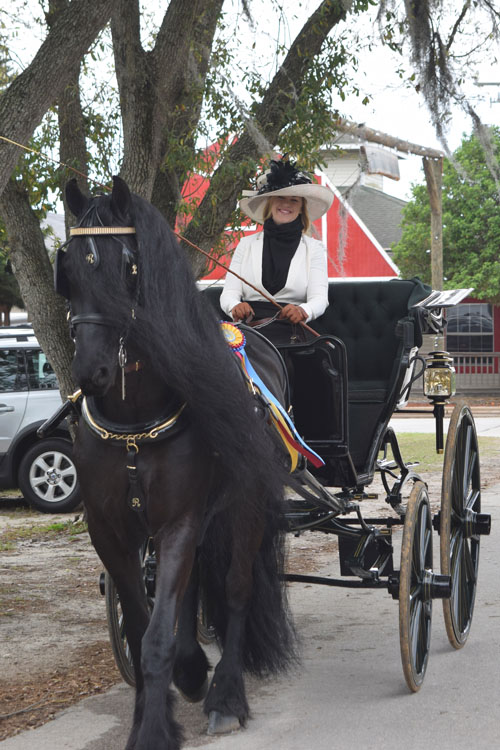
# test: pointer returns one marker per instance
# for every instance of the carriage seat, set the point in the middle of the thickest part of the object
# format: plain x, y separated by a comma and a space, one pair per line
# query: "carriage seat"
374, 321
378, 328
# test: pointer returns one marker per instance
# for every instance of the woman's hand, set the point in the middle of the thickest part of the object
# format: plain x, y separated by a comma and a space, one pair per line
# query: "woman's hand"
294, 313
241, 311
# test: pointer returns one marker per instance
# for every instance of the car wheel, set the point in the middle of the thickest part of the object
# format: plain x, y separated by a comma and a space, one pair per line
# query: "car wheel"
47, 476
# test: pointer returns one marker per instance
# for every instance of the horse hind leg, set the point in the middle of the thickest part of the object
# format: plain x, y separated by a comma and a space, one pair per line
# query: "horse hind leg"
226, 703
191, 664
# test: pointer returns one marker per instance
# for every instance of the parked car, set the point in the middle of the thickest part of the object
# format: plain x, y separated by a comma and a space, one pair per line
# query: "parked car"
43, 469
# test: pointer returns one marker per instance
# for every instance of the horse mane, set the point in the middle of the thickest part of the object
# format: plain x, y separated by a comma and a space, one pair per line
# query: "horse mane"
177, 332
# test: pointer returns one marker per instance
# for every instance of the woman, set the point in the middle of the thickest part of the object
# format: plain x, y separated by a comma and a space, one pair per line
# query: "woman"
282, 260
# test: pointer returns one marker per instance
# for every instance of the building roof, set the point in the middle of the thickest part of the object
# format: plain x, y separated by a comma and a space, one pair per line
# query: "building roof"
381, 213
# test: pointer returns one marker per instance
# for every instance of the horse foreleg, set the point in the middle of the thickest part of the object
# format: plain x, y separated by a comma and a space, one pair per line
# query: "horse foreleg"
175, 549
125, 568
191, 664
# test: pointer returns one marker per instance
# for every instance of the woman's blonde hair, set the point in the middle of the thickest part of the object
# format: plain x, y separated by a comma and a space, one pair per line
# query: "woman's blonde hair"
304, 214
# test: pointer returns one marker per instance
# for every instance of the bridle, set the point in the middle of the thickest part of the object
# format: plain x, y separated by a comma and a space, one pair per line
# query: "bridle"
129, 270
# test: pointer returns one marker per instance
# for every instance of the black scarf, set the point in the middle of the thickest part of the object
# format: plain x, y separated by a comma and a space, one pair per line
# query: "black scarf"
280, 243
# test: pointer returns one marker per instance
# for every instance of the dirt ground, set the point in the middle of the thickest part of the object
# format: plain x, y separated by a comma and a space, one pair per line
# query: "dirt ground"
53, 633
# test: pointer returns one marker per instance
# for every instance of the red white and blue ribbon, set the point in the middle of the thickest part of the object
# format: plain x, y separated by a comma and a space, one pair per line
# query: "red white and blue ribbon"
294, 443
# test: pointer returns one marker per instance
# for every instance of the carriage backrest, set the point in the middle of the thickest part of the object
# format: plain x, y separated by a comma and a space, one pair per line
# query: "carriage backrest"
376, 322
365, 315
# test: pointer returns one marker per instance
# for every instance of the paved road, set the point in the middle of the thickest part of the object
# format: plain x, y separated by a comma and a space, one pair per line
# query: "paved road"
349, 691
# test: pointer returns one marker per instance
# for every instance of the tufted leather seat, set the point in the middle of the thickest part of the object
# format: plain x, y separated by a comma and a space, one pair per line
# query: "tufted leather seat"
366, 316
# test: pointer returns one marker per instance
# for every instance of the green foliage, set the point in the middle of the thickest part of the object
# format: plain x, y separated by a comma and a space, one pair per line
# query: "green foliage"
9, 288
471, 224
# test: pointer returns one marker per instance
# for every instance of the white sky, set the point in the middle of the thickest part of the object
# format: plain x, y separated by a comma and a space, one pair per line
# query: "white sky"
394, 109
402, 113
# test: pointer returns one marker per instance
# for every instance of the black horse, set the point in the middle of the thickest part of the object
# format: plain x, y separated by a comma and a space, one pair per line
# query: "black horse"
172, 445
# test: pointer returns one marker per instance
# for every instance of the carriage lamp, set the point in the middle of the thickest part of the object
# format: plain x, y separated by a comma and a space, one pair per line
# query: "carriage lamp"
439, 386
439, 376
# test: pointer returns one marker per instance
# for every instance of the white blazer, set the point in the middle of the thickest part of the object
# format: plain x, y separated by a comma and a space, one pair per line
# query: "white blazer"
306, 284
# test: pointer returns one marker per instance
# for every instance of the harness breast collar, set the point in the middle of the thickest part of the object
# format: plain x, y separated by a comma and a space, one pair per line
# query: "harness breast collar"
132, 436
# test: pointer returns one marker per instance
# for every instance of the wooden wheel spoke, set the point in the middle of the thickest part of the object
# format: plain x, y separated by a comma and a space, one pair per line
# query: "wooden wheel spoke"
469, 563
471, 470
472, 499
416, 612
462, 601
466, 458
456, 490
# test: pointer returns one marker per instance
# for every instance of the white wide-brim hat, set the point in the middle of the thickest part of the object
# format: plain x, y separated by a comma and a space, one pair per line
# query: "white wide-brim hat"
284, 179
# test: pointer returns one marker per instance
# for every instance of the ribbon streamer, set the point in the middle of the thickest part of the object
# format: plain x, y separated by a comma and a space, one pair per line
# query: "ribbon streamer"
235, 338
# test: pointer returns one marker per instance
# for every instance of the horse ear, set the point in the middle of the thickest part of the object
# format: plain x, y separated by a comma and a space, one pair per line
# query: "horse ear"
75, 199
120, 198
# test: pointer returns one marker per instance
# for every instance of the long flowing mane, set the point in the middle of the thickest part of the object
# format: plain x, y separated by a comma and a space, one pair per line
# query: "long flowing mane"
176, 331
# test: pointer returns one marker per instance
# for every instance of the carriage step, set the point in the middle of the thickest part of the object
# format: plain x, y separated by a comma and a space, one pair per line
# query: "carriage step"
388, 464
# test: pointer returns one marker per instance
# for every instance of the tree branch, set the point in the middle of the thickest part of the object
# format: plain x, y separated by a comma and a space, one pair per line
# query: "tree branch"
270, 116
69, 39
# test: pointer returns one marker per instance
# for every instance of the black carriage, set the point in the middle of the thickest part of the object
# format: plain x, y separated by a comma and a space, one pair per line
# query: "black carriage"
347, 385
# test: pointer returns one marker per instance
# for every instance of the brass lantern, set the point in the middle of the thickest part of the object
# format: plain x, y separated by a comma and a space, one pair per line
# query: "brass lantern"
439, 376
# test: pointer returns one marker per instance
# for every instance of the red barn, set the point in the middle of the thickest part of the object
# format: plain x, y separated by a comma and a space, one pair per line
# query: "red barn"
353, 251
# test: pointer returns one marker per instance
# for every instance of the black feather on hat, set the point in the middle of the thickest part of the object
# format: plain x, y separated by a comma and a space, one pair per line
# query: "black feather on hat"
282, 174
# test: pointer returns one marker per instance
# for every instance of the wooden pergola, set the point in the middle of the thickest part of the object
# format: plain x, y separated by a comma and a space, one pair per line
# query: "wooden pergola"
433, 168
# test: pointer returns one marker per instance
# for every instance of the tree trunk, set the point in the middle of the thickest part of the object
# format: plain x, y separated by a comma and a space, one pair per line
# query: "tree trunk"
43, 81
72, 143
150, 84
183, 118
34, 273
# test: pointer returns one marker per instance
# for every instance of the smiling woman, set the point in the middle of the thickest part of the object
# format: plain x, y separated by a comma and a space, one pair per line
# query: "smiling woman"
282, 260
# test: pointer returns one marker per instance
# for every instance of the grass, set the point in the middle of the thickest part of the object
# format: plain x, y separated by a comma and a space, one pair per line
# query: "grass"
416, 446
40, 532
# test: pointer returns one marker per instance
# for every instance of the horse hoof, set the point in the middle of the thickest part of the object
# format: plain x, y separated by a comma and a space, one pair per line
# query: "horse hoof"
220, 724
198, 695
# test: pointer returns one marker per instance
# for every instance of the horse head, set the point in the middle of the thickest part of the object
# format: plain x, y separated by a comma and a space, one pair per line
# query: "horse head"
97, 271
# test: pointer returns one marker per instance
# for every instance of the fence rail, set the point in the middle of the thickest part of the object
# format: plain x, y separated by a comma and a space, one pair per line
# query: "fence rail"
477, 371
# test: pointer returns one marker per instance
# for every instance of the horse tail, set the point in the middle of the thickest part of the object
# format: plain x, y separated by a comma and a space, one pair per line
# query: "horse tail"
270, 641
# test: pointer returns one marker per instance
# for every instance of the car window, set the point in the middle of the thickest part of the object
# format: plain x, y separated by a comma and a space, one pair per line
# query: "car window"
41, 376
12, 371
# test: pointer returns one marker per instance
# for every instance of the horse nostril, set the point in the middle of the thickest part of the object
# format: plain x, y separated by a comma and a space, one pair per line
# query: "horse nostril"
101, 376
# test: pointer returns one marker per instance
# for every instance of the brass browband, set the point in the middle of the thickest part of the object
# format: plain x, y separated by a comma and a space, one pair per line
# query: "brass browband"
101, 230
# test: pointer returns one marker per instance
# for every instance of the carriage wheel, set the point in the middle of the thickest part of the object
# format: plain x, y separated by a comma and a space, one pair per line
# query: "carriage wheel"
116, 630
460, 524
415, 600
115, 618
205, 630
